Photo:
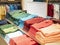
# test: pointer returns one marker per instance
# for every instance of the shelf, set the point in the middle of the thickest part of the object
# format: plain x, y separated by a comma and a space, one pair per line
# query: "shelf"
53, 1
9, 2
39, 0
23, 31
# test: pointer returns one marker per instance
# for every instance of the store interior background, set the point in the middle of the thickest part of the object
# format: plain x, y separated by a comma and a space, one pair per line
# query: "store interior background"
39, 9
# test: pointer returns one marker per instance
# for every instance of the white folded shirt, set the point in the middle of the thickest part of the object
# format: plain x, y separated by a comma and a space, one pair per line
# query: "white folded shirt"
12, 35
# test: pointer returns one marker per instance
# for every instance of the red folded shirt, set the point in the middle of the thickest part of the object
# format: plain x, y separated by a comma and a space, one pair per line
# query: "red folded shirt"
22, 40
32, 21
35, 27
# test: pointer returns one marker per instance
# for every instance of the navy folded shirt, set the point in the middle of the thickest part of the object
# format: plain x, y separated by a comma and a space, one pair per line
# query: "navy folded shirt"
2, 22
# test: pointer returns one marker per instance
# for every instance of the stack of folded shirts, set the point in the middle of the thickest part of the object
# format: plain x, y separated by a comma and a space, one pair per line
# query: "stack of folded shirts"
15, 15
35, 27
46, 31
2, 22
15, 11
19, 17
29, 22
22, 40
49, 34
8, 28
12, 35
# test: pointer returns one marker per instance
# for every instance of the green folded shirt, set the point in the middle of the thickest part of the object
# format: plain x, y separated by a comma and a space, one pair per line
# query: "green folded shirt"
8, 28
15, 11
18, 14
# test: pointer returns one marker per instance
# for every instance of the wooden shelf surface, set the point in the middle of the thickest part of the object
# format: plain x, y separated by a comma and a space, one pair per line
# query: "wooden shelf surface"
9, 2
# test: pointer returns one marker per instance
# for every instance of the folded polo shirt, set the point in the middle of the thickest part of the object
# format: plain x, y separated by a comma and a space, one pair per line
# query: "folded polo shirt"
51, 30
8, 28
12, 35
42, 39
22, 40
29, 22
35, 27
18, 15
12, 19
2, 22
15, 11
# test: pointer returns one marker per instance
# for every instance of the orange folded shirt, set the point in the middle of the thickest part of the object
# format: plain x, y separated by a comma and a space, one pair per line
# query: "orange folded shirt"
42, 39
51, 30
22, 40
49, 34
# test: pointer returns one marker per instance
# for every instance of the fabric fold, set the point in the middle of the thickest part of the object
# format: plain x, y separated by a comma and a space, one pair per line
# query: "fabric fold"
22, 40
32, 21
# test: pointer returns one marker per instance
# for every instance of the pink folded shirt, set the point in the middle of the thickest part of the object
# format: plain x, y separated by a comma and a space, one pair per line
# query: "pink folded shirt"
22, 40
